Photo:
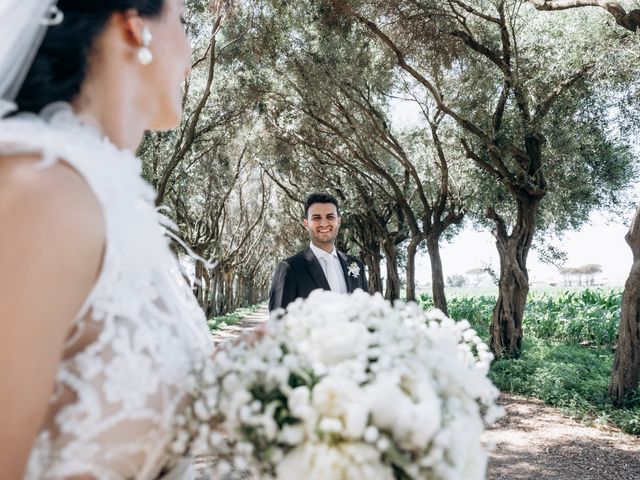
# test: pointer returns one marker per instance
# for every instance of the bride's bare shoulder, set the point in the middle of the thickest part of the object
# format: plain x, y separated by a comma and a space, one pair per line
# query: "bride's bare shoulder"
27, 181
48, 206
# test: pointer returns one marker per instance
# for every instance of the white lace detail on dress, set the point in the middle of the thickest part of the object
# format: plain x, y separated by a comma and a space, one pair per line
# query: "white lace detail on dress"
126, 363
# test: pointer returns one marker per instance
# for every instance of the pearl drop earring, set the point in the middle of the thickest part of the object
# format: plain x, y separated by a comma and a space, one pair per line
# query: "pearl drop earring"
145, 57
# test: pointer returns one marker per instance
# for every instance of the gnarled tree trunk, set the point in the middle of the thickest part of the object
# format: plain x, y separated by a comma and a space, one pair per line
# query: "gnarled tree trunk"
411, 267
200, 284
392, 290
372, 260
513, 286
626, 367
216, 297
437, 280
228, 292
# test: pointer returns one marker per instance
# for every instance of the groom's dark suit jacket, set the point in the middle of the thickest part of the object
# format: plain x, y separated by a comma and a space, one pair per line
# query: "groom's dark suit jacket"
298, 276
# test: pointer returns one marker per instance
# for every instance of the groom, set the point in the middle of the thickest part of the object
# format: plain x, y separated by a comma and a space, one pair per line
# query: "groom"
320, 265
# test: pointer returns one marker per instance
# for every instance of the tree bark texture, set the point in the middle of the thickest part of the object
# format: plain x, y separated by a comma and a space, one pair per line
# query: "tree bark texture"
513, 286
626, 367
372, 261
392, 290
411, 267
437, 276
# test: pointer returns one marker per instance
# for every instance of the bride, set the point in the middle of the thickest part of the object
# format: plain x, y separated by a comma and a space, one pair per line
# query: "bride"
99, 331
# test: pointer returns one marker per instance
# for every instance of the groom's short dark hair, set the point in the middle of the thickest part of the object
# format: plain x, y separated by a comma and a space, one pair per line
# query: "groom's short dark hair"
319, 197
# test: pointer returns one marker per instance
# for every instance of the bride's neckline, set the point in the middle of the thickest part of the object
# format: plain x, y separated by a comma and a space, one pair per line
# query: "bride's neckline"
61, 115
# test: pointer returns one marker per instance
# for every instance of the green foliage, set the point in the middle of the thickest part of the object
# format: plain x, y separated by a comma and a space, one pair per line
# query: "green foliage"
567, 355
587, 317
216, 323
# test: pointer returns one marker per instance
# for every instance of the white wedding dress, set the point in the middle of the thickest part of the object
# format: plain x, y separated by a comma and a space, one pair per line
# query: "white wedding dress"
123, 377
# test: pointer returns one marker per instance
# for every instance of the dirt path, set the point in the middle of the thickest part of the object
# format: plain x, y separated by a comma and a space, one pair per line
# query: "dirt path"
533, 441
247, 323
536, 442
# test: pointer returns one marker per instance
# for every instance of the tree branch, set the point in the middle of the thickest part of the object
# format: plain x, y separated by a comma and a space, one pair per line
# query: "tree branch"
546, 104
474, 45
475, 12
630, 20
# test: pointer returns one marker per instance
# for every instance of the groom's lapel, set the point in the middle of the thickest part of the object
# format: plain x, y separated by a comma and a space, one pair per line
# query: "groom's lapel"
315, 270
343, 263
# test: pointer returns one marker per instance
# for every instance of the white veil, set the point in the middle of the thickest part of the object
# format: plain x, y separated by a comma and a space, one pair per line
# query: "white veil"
23, 24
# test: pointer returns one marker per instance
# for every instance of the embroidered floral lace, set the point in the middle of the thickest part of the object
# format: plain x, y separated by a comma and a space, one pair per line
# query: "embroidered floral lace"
124, 372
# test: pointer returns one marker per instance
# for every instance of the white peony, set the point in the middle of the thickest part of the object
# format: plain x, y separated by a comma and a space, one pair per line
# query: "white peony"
342, 399
386, 401
416, 425
413, 423
337, 341
349, 461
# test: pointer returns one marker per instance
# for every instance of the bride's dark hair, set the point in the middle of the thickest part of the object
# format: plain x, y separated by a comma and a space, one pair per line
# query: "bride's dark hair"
60, 65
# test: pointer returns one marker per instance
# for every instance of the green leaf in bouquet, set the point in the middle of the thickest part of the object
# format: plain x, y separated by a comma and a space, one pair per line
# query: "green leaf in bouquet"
399, 473
304, 377
259, 392
398, 459
283, 417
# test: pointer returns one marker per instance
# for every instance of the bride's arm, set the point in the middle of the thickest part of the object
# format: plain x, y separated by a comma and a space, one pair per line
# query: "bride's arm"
51, 242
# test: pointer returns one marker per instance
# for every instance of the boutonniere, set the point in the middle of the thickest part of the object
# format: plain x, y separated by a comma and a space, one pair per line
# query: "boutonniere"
354, 270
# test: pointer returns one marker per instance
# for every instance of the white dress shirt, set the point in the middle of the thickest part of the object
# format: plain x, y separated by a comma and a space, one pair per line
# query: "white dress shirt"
332, 269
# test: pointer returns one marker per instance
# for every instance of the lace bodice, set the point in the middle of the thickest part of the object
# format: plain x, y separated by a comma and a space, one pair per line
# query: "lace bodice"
124, 372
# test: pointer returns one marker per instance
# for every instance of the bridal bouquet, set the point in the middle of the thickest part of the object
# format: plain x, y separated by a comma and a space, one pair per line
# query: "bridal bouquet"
346, 387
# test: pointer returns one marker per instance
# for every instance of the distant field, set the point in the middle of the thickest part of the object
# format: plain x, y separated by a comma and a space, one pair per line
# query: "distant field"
533, 290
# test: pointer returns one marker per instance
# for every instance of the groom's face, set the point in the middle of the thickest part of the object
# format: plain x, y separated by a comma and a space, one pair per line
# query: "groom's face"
322, 223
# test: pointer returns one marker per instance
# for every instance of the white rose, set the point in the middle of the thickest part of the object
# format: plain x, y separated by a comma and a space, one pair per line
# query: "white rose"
412, 424
338, 341
342, 399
